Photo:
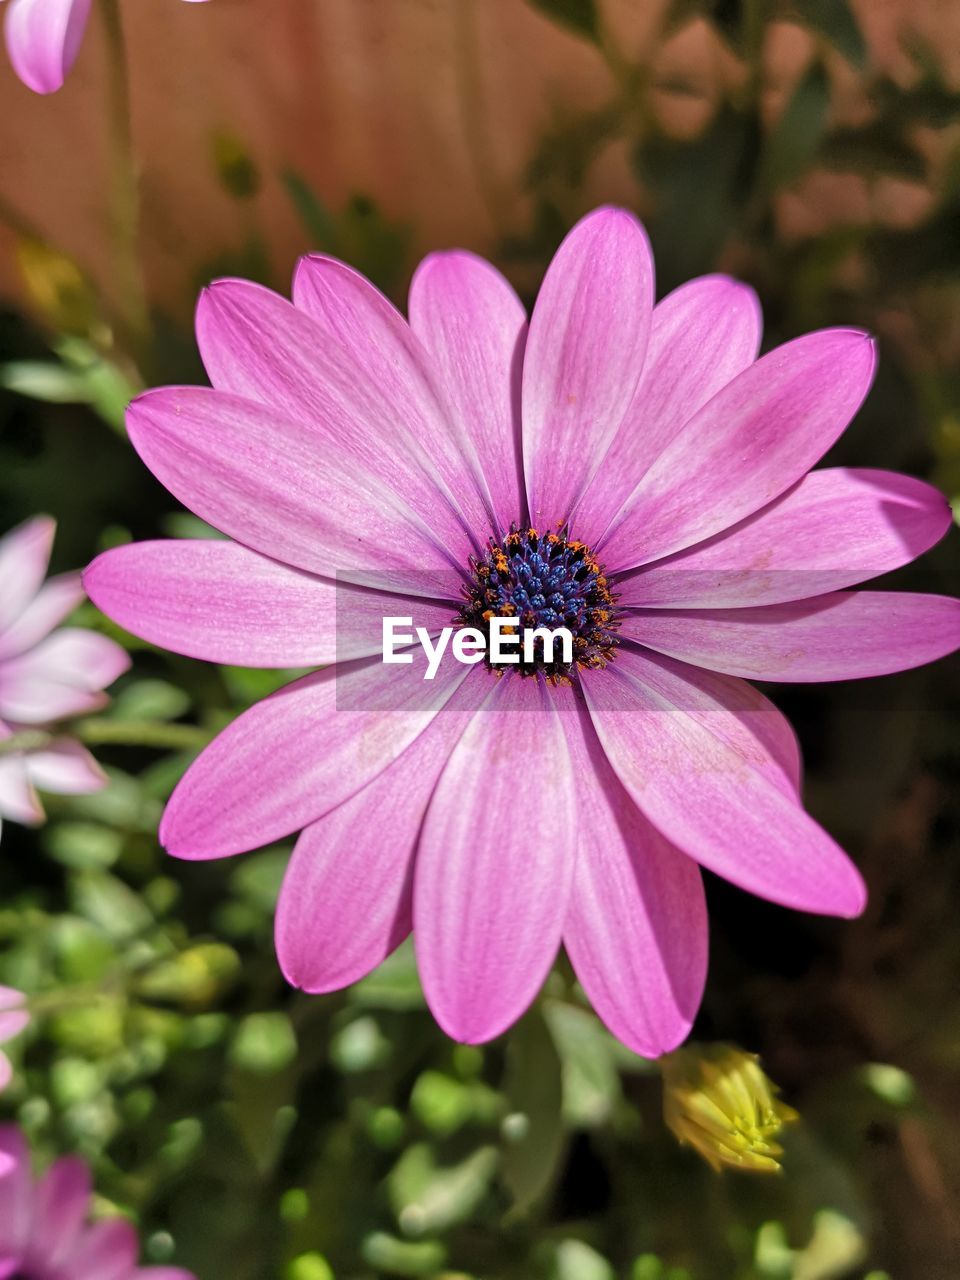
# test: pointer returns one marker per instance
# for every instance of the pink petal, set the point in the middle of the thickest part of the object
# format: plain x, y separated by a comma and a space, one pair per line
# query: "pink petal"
369, 334
163, 1273
493, 872
54, 601
584, 356
65, 768
107, 1251
746, 446
16, 1193
636, 927
474, 326
62, 1204
43, 39
18, 800
835, 528
689, 753
702, 335
294, 756
290, 492
24, 556
360, 389
346, 898
842, 636
14, 1018
220, 602
62, 676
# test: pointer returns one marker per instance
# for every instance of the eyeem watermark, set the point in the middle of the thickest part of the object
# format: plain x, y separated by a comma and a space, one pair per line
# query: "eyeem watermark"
503, 643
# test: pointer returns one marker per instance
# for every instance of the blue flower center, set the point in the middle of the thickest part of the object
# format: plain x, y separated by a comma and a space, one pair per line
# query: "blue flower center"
547, 581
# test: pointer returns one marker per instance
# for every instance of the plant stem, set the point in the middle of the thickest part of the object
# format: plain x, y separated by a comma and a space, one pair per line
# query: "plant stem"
133, 309
140, 733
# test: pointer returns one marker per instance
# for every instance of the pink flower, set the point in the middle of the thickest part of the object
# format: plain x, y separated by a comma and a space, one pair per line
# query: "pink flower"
680, 538
45, 675
43, 39
13, 1019
44, 1233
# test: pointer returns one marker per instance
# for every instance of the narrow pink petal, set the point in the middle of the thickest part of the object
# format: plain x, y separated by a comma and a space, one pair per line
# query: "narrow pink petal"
493, 872
362, 388
43, 39
65, 768
474, 326
62, 1204
16, 1193
370, 334
636, 927
584, 356
106, 1251
835, 528
24, 556
220, 602
163, 1273
18, 800
345, 904
702, 336
746, 446
62, 676
13, 1017
54, 601
843, 636
297, 754
695, 765
289, 492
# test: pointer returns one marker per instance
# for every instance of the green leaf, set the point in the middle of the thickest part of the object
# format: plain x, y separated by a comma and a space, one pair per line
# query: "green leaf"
835, 20
580, 16
264, 1044
797, 135
533, 1134
575, 1260
428, 1197
42, 380
591, 1081
875, 148
150, 700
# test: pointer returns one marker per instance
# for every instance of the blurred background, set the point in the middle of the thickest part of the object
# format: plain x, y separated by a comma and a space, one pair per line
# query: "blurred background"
811, 148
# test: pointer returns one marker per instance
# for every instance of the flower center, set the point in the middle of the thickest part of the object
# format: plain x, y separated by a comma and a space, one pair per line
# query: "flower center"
547, 581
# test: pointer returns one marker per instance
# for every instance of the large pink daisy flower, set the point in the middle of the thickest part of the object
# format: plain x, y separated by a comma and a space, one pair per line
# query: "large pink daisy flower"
631, 469
44, 1234
45, 674
43, 39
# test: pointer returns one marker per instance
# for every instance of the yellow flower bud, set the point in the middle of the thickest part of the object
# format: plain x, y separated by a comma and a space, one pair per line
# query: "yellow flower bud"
717, 1099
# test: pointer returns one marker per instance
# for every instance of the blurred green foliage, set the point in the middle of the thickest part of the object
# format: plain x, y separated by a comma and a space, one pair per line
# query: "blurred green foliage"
258, 1134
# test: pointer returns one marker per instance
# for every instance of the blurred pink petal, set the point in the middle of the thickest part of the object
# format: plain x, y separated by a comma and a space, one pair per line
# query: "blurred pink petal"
24, 556
64, 767
54, 601
44, 1230
61, 676
43, 39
